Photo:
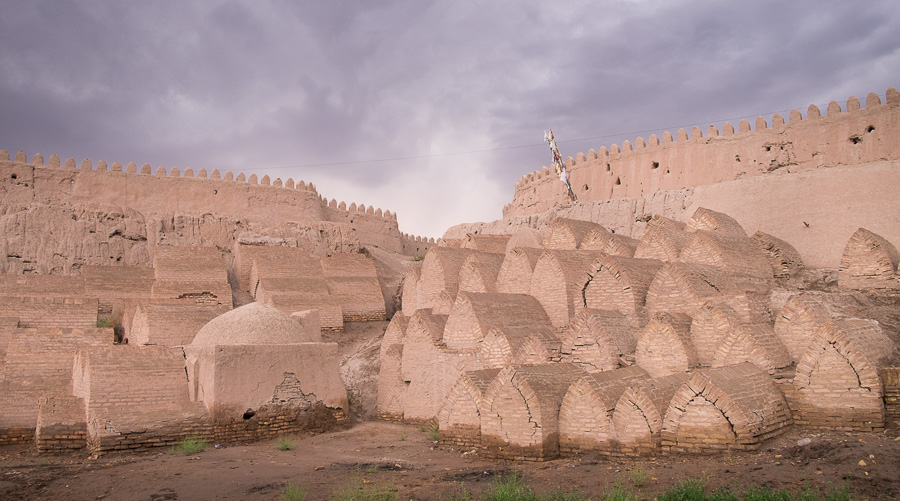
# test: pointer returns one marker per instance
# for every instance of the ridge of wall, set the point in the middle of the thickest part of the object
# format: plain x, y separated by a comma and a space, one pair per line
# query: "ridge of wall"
415, 245
149, 191
852, 135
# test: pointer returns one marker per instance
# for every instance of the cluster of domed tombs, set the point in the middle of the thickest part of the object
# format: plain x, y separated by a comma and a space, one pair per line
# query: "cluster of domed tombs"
579, 339
246, 375
188, 363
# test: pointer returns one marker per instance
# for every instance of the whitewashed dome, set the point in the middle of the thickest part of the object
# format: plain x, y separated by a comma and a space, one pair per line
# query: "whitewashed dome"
254, 323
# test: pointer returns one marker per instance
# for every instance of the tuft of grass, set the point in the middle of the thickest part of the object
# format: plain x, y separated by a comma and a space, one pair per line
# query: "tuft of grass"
285, 444
617, 493
420, 257
694, 489
372, 469
688, 490
292, 492
190, 445
357, 490
434, 434
639, 476
511, 488
105, 323
402, 437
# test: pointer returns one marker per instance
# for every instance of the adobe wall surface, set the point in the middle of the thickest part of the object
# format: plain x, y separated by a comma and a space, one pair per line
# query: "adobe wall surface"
833, 201
848, 136
204, 208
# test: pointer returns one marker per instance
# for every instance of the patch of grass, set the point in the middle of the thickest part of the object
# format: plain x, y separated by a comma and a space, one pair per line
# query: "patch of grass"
285, 444
190, 445
560, 495
511, 488
372, 469
420, 257
639, 476
105, 323
617, 493
402, 437
694, 489
358, 490
43, 462
292, 492
433, 432
688, 490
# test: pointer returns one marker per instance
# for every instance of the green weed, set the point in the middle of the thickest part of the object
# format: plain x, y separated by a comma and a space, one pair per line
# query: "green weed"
358, 490
292, 492
433, 432
639, 476
105, 323
285, 444
190, 445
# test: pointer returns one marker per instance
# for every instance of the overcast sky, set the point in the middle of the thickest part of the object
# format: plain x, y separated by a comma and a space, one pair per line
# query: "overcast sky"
432, 110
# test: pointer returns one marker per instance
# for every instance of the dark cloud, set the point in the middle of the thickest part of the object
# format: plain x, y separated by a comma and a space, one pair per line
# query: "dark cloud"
283, 88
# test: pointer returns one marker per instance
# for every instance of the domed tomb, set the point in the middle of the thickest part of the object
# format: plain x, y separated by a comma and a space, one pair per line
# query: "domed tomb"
262, 373
255, 324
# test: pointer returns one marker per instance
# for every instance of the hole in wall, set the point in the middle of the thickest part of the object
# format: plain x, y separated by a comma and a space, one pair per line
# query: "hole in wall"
618, 181
870, 128
14, 176
608, 167
215, 192
768, 148
249, 413
585, 188
667, 171
855, 139
655, 165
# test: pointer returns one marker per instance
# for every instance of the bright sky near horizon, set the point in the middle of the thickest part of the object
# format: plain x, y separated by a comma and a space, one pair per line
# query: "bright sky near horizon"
429, 109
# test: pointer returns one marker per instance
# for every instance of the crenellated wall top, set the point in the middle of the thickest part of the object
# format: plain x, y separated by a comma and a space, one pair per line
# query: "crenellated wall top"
681, 137
200, 175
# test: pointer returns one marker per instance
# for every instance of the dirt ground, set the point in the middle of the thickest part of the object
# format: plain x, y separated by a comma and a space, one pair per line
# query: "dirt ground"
404, 458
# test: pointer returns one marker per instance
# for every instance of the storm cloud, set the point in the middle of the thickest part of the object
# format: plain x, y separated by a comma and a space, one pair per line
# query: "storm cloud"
429, 109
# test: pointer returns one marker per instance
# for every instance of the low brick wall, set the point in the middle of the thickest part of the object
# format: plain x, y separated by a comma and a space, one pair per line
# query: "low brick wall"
13, 436
278, 420
61, 438
166, 436
461, 436
390, 417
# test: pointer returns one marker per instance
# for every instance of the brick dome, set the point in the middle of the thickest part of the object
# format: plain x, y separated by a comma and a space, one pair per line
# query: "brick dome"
254, 323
